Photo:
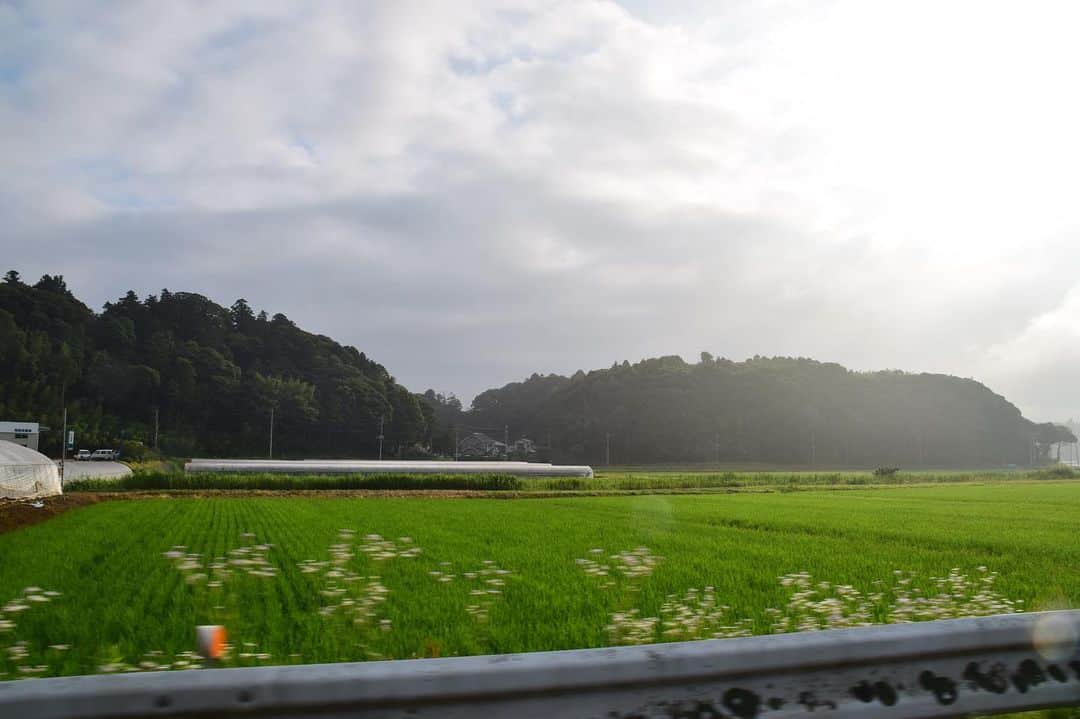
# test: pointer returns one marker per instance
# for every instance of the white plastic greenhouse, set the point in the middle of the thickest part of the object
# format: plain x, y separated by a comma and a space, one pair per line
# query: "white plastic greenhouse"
25, 473
360, 466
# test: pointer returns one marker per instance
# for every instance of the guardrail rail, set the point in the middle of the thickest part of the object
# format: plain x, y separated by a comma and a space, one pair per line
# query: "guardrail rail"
934, 669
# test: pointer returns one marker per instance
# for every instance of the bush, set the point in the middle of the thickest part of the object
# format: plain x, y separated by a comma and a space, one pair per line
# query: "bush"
136, 451
886, 471
1059, 471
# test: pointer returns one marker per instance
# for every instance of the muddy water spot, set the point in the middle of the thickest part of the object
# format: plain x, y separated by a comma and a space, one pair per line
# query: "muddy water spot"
882, 691
993, 680
943, 688
743, 703
812, 703
1028, 675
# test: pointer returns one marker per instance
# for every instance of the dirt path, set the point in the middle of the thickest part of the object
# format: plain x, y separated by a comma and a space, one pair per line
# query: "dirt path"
16, 513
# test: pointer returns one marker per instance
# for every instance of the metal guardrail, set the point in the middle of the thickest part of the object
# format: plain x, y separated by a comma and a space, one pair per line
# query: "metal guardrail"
933, 669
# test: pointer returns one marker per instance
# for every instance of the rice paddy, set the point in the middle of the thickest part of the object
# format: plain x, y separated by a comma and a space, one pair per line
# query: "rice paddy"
170, 478
121, 586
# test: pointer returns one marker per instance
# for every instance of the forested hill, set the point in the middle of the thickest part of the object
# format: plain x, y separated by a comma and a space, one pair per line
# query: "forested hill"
779, 410
212, 373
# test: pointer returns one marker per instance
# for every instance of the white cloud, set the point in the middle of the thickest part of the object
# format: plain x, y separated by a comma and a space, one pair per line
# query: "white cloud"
877, 184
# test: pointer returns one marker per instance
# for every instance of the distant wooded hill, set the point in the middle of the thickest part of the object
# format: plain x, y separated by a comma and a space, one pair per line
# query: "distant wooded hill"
774, 410
213, 375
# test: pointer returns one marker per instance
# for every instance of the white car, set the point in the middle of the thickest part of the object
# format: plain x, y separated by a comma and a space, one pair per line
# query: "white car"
82, 454
103, 454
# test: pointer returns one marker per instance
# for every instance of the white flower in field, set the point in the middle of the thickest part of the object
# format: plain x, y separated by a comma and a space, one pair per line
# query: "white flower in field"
446, 578
33, 590
15, 607
37, 598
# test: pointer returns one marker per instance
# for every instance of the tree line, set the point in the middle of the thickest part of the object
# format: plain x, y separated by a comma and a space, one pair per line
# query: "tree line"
780, 410
208, 377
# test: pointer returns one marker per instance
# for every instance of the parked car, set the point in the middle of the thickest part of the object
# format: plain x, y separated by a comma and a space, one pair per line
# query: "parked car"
82, 454
104, 454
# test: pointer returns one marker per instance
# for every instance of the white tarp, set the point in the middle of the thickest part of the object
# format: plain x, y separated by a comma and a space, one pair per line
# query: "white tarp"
26, 473
361, 466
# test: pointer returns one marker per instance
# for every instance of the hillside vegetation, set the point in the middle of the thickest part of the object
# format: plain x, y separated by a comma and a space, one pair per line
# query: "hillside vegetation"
774, 410
214, 374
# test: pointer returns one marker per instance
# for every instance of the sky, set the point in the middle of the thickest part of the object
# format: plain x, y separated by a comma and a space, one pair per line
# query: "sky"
474, 192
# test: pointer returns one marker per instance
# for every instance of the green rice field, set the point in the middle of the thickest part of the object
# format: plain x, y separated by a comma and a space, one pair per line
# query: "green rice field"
120, 585
159, 477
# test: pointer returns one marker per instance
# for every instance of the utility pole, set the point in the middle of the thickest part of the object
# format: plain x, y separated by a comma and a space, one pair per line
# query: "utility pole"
717, 449
63, 450
271, 453
506, 441
607, 449
155, 427
382, 418
456, 446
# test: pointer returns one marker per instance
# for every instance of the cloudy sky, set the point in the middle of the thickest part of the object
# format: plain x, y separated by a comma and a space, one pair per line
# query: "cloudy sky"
472, 192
